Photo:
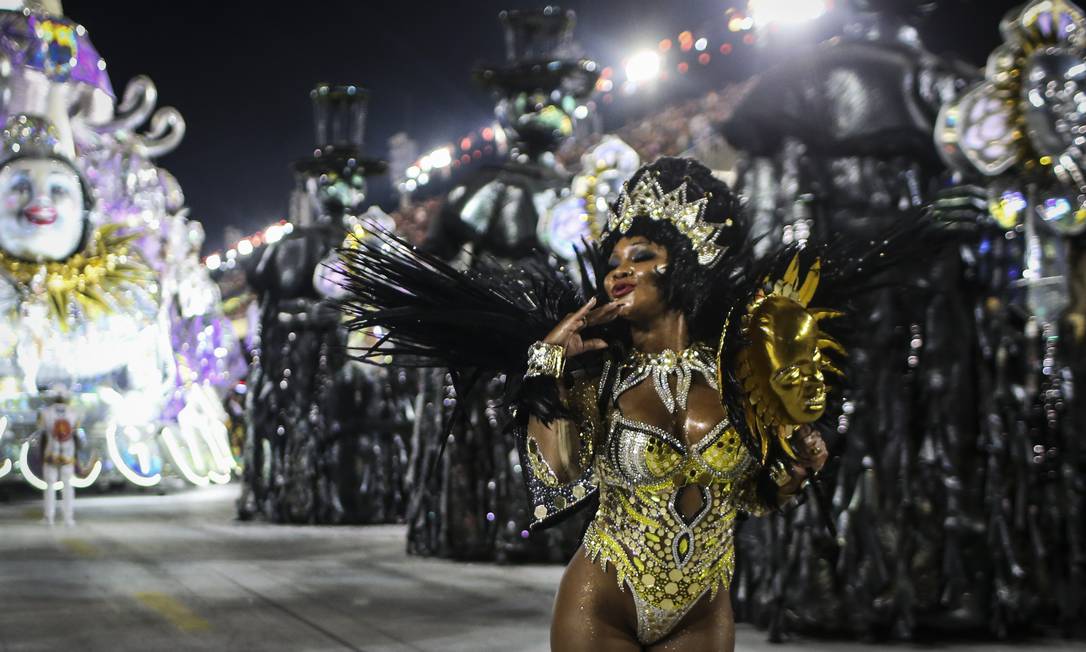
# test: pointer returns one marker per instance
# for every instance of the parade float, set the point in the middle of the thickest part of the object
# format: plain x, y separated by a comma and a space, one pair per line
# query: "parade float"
101, 288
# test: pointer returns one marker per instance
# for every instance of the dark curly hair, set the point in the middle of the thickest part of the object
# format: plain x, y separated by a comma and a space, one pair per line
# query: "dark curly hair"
687, 286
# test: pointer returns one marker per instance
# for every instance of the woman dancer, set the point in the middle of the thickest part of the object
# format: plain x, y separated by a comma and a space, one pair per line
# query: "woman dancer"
677, 397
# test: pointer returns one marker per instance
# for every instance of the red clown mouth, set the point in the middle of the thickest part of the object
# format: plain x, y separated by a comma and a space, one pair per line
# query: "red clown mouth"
40, 215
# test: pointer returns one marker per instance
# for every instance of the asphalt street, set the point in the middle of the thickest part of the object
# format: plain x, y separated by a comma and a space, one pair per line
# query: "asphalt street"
170, 573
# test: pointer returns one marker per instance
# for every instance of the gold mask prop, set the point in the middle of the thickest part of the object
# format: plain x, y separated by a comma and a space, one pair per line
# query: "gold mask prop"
782, 367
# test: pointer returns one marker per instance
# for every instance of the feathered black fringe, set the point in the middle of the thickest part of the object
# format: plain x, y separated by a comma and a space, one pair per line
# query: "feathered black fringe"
477, 322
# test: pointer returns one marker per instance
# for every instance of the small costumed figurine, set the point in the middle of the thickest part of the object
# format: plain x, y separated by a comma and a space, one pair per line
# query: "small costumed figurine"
58, 421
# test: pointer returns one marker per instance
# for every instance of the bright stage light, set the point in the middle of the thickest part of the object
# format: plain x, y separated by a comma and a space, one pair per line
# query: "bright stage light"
245, 247
213, 262
643, 66
581, 112
441, 157
273, 233
785, 12
413, 171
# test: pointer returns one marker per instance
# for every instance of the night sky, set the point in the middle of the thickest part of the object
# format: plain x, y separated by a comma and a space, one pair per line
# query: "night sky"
240, 73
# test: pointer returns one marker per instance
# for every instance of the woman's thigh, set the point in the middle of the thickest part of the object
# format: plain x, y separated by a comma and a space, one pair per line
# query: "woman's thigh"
591, 613
709, 627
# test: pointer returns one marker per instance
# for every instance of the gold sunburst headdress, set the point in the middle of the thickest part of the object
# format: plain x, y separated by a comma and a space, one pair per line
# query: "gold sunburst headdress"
782, 363
647, 199
94, 279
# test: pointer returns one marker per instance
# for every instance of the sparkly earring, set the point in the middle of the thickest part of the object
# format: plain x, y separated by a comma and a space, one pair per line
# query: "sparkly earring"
660, 270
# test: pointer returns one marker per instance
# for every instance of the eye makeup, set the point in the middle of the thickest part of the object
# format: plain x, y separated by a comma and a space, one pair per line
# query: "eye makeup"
20, 182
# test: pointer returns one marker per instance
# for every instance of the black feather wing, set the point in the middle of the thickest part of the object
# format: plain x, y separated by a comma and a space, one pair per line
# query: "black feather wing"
427, 312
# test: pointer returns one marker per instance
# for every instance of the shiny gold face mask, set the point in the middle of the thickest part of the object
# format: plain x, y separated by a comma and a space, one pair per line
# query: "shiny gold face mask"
783, 366
785, 362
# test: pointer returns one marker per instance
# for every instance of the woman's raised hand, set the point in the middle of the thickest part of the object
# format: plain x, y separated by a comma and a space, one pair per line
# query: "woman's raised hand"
567, 333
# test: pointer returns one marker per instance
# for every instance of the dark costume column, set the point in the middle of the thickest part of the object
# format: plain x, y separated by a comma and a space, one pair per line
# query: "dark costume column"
321, 446
1019, 133
838, 145
947, 500
469, 497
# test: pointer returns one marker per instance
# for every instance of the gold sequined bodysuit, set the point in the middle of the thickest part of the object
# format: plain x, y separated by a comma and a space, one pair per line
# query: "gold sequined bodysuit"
668, 560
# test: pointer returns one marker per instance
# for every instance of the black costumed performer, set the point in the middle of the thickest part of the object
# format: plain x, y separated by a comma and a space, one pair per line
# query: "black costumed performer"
680, 395
470, 502
307, 455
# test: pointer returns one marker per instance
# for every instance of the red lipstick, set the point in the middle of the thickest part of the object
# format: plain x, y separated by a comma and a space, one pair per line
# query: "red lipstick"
621, 289
41, 215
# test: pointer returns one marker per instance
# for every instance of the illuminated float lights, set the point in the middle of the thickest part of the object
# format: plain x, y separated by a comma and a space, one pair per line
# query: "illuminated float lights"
643, 67
186, 468
39, 484
223, 463
149, 480
5, 463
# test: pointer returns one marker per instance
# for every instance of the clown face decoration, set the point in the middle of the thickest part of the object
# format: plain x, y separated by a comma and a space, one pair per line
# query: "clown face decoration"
41, 209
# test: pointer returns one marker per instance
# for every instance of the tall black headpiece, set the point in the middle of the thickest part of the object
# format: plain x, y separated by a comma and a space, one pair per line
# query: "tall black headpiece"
541, 55
339, 119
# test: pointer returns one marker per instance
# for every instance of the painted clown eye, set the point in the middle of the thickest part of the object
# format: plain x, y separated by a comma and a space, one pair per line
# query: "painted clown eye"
22, 186
57, 191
